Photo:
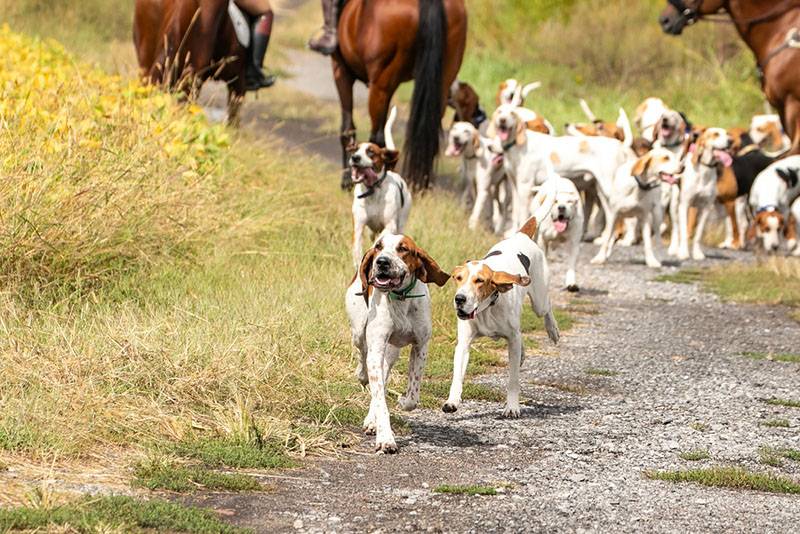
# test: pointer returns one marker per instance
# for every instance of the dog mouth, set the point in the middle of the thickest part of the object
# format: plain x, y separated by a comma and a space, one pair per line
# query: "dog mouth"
456, 148
497, 160
668, 177
723, 156
386, 281
503, 132
561, 223
464, 316
363, 174
667, 131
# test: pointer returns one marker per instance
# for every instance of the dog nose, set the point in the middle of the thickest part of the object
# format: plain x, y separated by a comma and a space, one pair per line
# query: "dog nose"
460, 300
356, 158
383, 262
562, 209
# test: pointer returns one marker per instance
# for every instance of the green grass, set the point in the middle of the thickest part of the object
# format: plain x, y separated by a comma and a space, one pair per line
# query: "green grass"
465, 490
594, 371
684, 276
729, 477
776, 423
695, 455
121, 514
779, 357
161, 474
435, 393
700, 427
235, 453
788, 403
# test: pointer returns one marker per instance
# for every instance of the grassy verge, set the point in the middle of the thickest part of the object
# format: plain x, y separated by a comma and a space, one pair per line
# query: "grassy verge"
787, 403
776, 423
117, 514
466, 490
780, 357
729, 477
695, 456
157, 474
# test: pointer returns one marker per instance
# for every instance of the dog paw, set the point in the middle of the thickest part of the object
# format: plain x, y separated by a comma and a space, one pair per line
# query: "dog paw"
387, 446
600, 259
406, 404
573, 288
699, 256
449, 407
511, 412
653, 264
361, 373
369, 426
597, 240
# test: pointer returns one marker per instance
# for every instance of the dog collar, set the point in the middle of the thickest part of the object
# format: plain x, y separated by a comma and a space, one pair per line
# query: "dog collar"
770, 207
644, 185
371, 188
403, 294
507, 146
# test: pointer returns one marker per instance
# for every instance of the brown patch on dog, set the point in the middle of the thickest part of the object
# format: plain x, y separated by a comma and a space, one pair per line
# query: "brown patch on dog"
727, 188
619, 228
538, 125
583, 147
486, 281
529, 228
502, 87
761, 223
382, 157
737, 143
774, 139
465, 101
554, 158
364, 271
790, 230
641, 146
641, 165
420, 263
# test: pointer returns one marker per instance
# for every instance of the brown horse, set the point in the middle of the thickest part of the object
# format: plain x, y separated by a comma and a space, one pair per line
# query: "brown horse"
181, 43
771, 28
387, 42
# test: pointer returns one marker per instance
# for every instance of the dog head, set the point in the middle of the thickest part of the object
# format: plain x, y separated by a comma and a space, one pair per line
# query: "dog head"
597, 128
672, 128
368, 161
464, 140
767, 226
767, 132
564, 209
658, 164
478, 286
394, 261
641, 146
713, 146
507, 126
512, 92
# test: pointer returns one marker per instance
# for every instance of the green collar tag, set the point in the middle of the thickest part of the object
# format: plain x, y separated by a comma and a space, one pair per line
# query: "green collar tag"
403, 294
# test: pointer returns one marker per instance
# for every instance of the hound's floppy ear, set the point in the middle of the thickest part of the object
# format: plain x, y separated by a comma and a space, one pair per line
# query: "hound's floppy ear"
429, 271
364, 272
390, 158
476, 143
499, 97
752, 231
699, 147
790, 176
505, 281
490, 130
641, 165
521, 133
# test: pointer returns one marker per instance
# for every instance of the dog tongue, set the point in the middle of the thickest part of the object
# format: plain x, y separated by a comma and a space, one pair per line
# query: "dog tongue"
561, 226
453, 150
503, 134
724, 157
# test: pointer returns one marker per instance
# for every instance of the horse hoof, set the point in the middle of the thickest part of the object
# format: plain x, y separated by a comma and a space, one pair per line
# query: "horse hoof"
347, 181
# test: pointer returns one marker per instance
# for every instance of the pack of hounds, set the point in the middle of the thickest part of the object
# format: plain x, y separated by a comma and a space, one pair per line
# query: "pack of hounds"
537, 190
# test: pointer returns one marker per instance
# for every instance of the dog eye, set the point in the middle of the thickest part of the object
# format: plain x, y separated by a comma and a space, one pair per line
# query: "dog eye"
479, 280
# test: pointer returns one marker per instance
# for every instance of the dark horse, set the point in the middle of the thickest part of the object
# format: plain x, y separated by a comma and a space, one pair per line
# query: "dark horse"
387, 42
181, 43
771, 28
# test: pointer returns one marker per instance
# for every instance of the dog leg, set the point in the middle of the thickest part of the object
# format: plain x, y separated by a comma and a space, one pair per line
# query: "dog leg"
605, 239
572, 262
674, 219
477, 210
540, 299
683, 231
358, 238
649, 223
460, 361
416, 365
702, 217
512, 392
378, 416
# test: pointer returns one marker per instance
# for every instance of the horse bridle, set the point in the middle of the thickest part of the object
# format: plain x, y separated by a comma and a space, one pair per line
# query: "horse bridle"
690, 15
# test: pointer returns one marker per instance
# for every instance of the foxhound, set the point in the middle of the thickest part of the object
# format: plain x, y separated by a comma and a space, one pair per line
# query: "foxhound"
389, 307
466, 103
482, 172
564, 226
512, 92
767, 132
381, 198
598, 127
771, 196
699, 186
647, 116
636, 192
489, 301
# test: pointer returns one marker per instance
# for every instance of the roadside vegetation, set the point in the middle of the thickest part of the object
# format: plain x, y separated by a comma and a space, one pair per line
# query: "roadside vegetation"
729, 477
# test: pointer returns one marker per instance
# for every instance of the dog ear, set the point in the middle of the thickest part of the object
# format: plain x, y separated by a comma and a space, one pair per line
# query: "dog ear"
503, 281
364, 272
458, 271
491, 131
476, 143
351, 147
390, 158
429, 271
499, 97
641, 165
699, 147
521, 133
752, 231
789, 176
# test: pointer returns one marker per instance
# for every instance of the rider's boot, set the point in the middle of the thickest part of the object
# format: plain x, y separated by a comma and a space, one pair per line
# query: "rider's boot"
325, 40
261, 31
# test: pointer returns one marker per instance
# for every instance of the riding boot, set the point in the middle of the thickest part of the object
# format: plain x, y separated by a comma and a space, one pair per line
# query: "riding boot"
325, 41
261, 31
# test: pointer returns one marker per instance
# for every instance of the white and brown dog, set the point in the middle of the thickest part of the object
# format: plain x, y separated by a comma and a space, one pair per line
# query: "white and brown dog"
482, 172
648, 113
381, 198
564, 226
489, 302
699, 186
767, 132
636, 192
512, 92
772, 194
389, 307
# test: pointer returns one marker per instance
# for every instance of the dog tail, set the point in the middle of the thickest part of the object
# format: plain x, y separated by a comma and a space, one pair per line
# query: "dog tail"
587, 110
541, 204
624, 122
387, 130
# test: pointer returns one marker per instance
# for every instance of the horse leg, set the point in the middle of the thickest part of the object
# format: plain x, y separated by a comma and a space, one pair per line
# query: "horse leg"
347, 133
379, 98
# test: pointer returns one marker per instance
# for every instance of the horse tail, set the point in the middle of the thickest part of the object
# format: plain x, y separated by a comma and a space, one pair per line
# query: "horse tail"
424, 125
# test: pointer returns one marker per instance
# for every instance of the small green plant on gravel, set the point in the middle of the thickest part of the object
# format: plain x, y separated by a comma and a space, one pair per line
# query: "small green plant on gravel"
729, 477
780, 357
684, 276
118, 514
788, 403
434, 393
238, 454
700, 427
601, 372
576, 389
465, 490
775, 456
776, 423
163, 474
695, 456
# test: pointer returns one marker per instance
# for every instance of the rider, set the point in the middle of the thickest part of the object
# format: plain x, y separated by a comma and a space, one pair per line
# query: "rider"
325, 40
261, 12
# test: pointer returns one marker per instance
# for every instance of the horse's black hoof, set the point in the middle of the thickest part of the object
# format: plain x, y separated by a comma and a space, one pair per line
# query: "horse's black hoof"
449, 408
573, 288
347, 181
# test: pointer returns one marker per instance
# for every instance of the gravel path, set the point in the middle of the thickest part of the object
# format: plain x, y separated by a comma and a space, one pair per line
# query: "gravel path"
575, 460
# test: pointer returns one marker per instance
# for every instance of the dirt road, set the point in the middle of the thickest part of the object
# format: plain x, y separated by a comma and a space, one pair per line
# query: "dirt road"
655, 370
